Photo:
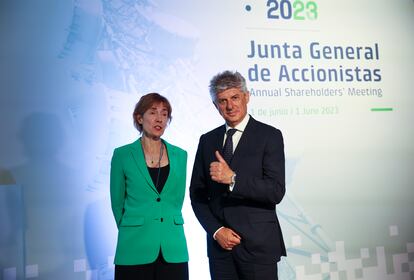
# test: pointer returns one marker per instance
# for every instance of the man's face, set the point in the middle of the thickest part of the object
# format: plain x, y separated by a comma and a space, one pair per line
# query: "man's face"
232, 105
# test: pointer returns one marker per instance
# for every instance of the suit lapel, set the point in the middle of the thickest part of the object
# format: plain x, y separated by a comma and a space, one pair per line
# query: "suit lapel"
220, 139
218, 146
138, 155
244, 143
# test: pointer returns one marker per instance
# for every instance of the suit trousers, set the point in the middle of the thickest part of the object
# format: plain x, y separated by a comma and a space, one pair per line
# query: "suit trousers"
158, 270
230, 268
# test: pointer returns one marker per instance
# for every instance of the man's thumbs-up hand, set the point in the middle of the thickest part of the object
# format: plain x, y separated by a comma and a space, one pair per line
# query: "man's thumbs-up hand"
220, 171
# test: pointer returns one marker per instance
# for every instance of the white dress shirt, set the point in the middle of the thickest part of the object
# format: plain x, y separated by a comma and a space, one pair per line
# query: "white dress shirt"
240, 129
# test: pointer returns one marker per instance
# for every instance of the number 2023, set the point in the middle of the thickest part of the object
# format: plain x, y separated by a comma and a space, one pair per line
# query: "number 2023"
300, 9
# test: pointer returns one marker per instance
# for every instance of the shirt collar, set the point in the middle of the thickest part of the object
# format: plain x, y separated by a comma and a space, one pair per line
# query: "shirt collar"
242, 125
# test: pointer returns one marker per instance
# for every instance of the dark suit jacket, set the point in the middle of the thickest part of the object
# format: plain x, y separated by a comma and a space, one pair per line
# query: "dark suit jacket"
249, 209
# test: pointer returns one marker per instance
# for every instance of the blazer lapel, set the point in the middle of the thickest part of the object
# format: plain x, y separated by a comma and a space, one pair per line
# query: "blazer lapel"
138, 155
172, 158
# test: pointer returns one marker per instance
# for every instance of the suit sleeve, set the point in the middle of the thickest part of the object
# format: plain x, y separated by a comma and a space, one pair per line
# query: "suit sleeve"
117, 187
269, 188
200, 196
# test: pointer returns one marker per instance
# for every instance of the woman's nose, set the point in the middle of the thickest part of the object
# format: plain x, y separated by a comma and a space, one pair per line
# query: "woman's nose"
159, 117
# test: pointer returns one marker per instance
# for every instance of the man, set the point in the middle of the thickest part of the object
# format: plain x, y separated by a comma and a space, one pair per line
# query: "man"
238, 178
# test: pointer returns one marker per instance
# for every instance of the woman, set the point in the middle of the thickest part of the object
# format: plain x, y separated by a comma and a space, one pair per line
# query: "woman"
148, 180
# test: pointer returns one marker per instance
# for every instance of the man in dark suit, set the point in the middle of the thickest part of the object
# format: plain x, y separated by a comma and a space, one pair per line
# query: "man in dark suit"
238, 178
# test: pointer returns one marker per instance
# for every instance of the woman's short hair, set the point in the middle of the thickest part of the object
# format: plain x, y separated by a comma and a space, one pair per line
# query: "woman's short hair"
146, 102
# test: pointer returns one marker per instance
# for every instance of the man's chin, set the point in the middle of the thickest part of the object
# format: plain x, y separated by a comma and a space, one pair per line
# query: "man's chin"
231, 118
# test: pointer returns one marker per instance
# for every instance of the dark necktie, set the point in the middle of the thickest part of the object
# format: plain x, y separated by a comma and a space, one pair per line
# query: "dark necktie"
228, 145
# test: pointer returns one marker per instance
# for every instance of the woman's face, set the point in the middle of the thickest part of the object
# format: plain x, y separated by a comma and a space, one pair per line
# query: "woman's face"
154, 121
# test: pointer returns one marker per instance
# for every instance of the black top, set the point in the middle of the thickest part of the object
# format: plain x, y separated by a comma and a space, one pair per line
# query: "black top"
162, 177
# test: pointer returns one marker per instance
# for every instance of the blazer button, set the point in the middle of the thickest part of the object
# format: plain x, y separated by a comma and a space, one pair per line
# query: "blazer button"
162, 220
158, 199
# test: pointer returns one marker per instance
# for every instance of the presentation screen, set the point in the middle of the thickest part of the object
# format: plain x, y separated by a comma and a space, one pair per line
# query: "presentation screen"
336, 77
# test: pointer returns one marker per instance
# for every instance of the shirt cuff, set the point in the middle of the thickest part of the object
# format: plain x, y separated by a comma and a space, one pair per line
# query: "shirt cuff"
214, 235
233, 182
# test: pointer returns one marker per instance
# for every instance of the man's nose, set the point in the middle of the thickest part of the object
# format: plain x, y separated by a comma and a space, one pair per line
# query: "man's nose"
229, 105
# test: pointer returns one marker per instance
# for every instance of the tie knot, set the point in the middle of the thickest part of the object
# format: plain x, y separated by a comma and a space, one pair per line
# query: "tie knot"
231, 132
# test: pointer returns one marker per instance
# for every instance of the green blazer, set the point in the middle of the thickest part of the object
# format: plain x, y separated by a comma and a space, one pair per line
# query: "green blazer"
147, 220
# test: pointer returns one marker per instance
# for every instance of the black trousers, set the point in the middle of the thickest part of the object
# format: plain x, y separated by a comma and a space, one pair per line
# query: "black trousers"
230, 268
158, 270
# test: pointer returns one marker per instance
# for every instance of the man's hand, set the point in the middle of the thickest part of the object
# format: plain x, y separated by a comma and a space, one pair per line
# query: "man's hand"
220, 171
227, 238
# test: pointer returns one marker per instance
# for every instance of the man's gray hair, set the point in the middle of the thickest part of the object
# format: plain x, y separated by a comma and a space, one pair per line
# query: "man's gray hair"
226, 80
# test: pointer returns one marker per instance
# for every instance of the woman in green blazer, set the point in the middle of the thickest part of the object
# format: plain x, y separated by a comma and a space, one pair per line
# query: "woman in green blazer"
147, 182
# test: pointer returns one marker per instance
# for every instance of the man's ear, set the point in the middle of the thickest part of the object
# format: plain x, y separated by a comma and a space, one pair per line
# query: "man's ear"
215, 105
